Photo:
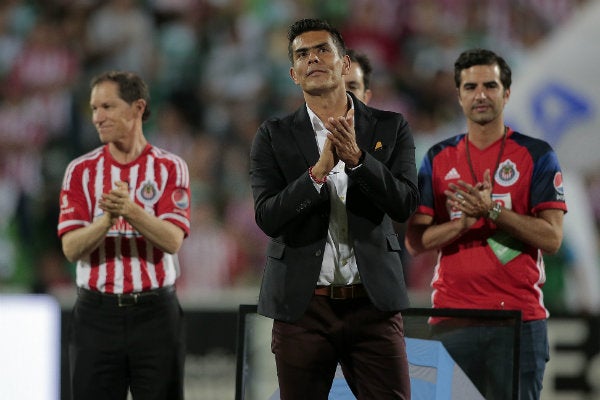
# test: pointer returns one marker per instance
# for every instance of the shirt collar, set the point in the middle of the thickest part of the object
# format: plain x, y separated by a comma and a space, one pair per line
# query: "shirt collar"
316, 122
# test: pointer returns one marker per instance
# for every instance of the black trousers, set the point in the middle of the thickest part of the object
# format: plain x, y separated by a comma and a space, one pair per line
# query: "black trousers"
368, 343
137, 345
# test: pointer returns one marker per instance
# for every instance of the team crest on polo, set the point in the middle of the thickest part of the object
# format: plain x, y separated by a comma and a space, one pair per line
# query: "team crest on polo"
507, 173
147, 193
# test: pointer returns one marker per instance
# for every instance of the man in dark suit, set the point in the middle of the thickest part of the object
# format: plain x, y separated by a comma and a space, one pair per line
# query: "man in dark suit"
327, 182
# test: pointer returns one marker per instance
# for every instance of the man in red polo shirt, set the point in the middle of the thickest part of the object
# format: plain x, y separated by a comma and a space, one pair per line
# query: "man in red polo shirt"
491, 203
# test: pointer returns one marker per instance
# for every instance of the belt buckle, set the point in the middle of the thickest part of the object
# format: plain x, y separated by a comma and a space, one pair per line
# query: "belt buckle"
125, 300
337, 293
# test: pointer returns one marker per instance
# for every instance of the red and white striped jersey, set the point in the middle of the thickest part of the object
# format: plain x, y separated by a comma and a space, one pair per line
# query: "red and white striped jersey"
125, 262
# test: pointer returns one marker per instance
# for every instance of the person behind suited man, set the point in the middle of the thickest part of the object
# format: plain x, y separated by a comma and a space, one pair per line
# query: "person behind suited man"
328, 180
358, 80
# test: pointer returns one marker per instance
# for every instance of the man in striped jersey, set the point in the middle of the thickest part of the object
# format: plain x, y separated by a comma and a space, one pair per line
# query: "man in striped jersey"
124, 212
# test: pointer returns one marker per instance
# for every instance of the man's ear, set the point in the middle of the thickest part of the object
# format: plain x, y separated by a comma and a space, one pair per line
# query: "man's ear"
506, 95
368, 95
346, 62
293, 75
140, 105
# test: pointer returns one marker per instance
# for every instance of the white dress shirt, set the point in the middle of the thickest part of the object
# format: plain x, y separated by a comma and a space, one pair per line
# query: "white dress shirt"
339, 263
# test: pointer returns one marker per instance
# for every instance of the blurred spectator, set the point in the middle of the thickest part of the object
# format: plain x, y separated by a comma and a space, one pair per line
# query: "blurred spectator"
22, 15
209, 255
120, 35
375, 27
10, 41
9, 241
41, 82
178, 120
232, 73
46, 69
22, 138
179, 31
594, 190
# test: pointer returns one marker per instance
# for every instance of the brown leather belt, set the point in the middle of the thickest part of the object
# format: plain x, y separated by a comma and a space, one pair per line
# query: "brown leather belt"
342, 292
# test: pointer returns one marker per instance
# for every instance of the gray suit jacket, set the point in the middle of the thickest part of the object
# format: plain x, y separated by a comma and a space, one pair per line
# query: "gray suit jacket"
295, 216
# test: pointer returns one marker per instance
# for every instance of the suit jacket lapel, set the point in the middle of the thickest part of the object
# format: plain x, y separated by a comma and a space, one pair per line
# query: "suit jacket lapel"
364, 126
301, 128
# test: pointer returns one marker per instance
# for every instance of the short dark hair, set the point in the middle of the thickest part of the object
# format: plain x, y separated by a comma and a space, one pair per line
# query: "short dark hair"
364, 63
308, 25
472, 57
131, 87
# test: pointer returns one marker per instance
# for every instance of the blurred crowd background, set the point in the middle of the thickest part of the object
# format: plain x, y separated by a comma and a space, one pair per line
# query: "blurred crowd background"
217, 69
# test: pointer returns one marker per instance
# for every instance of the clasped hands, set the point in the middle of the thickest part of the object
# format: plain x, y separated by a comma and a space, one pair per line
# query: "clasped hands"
339, 145
117, 202
475, 201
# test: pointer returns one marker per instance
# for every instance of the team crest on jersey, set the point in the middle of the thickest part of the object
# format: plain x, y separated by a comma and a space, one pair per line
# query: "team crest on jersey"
148, 193
507, 174
558, 183
180, 199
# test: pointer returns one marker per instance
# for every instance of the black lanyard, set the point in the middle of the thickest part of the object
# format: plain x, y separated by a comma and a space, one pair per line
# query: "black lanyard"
497, 161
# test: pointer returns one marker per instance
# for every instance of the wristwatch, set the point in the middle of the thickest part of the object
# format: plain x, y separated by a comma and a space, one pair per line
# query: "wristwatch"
495, 211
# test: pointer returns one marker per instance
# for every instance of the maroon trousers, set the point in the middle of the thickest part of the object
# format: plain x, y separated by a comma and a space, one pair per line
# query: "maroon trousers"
368, 343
